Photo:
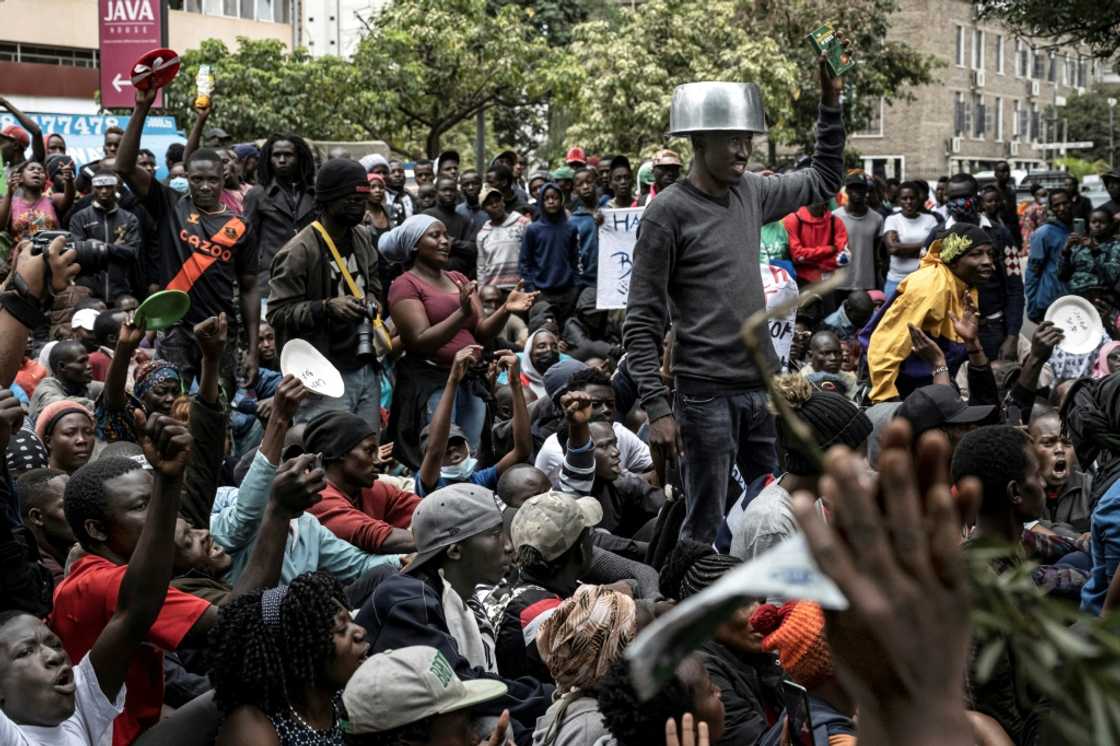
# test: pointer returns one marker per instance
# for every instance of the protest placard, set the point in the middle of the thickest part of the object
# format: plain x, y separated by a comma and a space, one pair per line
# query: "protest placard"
617, 235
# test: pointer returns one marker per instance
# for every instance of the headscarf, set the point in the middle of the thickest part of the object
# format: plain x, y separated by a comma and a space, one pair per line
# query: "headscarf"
532, 375
586, 635
372, 160
151, 374
45, 356
1100, 370
399, 244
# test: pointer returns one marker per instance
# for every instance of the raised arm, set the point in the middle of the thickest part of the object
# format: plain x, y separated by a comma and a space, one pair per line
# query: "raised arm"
207, 423
522, 437
38, 147
518, 301
194, 139
440, 427
113, 396
63, 202
125, 163
167, 445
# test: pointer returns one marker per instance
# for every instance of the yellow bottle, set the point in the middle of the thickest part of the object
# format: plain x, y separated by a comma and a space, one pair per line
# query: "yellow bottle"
204, 85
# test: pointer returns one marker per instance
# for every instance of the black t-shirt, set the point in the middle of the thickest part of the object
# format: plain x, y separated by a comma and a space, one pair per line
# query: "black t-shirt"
200, 253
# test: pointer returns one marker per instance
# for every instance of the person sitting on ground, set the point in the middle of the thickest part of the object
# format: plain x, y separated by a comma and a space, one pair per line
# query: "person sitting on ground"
851, 316
66, 429
356, 506
44, 697
767, 520
939, 299
1090, 266
1068, 507
412, 697
280, 658
105, 329
515, 333
590, 332
579, 643
71, 379
40, 494
635, 721
447, 453
551, 537
460, 543
824, 369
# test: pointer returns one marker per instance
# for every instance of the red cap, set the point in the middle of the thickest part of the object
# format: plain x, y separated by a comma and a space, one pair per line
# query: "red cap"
576, 155
12, 132
155, 69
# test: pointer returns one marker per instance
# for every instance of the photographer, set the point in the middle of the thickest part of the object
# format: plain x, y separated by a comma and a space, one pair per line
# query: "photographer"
105, 221
324, 282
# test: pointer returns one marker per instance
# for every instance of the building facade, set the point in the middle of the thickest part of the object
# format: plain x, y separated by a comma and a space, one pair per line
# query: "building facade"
990, 100
334, 27
58, 72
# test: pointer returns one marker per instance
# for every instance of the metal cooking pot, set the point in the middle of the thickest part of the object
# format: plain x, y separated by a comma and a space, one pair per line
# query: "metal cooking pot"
713, 106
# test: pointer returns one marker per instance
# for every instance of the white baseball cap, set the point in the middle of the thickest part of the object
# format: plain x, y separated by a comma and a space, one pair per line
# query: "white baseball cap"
398, 687
84, 319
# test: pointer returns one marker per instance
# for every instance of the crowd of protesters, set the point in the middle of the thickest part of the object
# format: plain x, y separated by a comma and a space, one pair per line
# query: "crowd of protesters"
198, 548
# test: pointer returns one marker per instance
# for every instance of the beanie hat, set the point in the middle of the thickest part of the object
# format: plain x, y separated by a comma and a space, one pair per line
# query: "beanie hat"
53, 413
335, 433
834, 419
959, 240
796, 632
691, 568
559, 375
340, 177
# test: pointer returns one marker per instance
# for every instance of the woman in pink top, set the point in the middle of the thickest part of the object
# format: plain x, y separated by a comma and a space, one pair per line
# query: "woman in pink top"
26, 210
437, 313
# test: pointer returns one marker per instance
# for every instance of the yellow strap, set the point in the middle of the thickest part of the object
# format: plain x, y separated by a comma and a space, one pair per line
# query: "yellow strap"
338, 261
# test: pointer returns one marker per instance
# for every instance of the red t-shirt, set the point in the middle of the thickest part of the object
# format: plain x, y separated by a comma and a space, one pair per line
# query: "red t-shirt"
367, 523
439, 304
100, 363
83, 604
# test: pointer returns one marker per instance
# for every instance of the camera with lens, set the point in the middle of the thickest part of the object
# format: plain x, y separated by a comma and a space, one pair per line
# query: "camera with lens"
369, 341
93, 255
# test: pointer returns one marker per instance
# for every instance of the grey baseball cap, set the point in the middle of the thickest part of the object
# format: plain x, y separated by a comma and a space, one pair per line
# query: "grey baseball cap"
398, 687
551, 523
450, 515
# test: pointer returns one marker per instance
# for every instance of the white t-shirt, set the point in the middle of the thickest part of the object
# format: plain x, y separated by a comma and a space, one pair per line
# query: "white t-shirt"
634, 454
90, 725
909, 230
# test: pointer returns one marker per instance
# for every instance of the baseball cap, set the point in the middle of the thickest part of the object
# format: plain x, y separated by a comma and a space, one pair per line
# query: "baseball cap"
558, 376
939, 404
452, 434
564, 172
84, 319
551, 523
856, 179
216, 133
576, 155
488, 190
667, 158
450, 515
619, 161
12, 132
398, 687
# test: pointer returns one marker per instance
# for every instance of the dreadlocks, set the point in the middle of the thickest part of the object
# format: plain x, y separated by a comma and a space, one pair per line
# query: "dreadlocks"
305, 172
268, 665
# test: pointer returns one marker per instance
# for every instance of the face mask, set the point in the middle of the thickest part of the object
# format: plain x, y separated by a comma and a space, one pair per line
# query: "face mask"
179, 184
963, 209
459, 471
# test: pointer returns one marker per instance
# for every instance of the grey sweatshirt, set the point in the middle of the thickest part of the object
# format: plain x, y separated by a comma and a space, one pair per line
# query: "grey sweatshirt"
696, 264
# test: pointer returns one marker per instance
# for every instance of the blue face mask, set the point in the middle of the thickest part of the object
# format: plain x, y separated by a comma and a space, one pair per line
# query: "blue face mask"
962, 209
460, 471
179, 184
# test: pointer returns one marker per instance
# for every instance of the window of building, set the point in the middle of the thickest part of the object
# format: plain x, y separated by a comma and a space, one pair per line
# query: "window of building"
960, 46
960, 114
1082, 72
1053, 76
1038, 70
46, 55
874, 126
278, 11
999, 54
1022, 59
1036, 123
979, 117
977, 49
999, 118
1017, 127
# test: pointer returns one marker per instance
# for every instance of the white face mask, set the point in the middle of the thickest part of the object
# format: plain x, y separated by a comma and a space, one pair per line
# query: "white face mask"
460, 471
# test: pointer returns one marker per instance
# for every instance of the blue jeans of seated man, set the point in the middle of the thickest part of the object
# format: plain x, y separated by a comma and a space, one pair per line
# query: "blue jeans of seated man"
718, 432
469, 413
362, 397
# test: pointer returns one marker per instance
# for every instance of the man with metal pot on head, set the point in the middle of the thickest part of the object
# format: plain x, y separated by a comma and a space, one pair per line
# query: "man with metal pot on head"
696, 267
323, 289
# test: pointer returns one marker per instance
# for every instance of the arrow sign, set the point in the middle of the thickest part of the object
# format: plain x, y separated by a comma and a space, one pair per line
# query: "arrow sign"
119, 82
127, 30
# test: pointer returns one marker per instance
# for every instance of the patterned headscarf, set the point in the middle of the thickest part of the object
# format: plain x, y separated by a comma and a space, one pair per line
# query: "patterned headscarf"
151, 374
586, 635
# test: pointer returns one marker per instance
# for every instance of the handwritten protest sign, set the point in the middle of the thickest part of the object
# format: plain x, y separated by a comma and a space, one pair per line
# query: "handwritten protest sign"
617, 235
780, 288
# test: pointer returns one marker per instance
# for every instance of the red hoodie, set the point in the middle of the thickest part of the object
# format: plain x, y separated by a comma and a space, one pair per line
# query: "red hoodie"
367, 524
814, 242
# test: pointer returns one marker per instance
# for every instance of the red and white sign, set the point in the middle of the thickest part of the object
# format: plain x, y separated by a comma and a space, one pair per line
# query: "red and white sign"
128, 29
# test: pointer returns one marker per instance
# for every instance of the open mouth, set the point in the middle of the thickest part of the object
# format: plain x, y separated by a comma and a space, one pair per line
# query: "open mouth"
64, 683
1061, 468
740, 168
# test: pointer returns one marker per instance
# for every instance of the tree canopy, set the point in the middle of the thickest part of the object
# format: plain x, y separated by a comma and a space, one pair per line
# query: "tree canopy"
1063, 22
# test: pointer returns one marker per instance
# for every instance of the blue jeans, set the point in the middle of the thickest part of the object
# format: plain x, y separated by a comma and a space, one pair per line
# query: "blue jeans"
719, 432
889, 288
362, 397
469, 413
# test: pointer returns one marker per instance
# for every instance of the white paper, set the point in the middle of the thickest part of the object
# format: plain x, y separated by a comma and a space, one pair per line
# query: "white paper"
617, 235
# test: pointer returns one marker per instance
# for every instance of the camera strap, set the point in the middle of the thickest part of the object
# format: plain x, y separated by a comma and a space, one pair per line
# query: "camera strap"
338, 260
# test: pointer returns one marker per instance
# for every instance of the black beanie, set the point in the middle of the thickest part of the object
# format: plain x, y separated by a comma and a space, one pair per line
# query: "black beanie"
834, 420
340, 177
334, 434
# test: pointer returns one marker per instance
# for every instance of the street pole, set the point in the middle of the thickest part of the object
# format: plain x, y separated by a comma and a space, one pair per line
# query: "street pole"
1112, 132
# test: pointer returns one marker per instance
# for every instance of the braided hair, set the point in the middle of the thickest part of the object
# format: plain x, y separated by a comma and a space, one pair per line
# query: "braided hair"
833, 419
692, 567
305, 173
269, 665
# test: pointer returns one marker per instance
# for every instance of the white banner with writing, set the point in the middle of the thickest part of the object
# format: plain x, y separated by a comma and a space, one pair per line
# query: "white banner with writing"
617, 235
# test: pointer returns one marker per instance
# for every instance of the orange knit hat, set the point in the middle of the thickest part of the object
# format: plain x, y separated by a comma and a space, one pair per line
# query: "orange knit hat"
796, 632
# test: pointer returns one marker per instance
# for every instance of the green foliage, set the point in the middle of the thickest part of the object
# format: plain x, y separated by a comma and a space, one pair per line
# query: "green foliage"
1075, 22
1080, 167
1087, 118
1070, 658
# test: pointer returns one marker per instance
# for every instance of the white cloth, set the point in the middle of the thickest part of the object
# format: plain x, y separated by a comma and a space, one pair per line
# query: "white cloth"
90, 725
634, 453
766, 522
463, 626
909, 230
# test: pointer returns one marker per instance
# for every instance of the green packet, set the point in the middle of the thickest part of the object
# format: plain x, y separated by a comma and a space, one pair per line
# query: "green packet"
825, 41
